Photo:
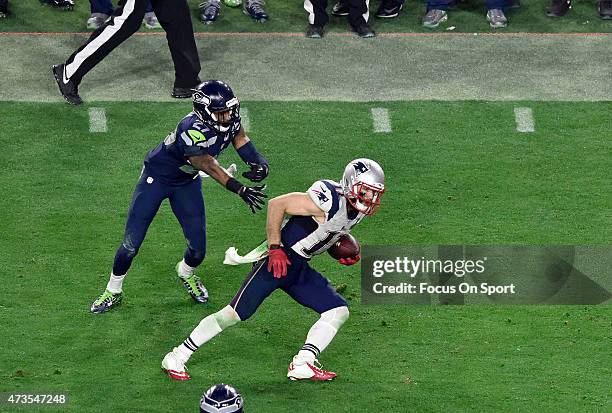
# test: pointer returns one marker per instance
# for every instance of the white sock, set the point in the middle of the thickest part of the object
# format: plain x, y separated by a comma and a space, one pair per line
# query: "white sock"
185, 270
322, 333
115, 283
206, 330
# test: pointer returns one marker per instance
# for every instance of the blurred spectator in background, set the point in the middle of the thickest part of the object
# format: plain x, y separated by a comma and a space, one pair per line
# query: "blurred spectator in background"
60, 4
559, 8
358, 12
437, 12
210, 9
4, 9
101, 10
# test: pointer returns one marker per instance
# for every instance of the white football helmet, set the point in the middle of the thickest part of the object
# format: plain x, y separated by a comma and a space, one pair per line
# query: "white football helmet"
363, 184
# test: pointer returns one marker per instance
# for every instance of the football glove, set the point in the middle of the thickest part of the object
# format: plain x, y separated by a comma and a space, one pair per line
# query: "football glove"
350, 260
252, 195
258, 172
277, 261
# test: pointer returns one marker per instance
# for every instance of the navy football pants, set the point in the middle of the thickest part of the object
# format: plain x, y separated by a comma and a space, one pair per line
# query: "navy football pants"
303, 283
187, 204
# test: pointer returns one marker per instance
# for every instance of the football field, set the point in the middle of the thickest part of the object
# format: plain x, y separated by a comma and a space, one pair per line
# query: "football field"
509, 149
464, 180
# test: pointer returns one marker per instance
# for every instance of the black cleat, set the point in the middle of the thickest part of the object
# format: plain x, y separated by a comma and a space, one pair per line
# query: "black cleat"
558, 8
60, 4
364, 30
68, 89
388, 11
604, 7
314, 32
340, 9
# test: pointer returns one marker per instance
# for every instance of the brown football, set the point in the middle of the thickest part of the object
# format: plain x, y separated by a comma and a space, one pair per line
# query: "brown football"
346, 247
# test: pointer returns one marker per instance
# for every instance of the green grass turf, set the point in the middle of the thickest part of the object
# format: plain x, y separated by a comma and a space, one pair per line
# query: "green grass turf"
289, 16
456, 173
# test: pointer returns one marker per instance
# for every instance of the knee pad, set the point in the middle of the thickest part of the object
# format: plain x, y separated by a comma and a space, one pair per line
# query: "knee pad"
226, 317
336, 316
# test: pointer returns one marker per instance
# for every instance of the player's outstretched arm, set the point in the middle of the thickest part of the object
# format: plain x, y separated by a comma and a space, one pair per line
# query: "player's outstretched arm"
248, 153
253, 195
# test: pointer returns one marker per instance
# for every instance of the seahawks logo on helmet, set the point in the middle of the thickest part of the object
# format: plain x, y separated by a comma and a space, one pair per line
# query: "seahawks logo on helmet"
199, 97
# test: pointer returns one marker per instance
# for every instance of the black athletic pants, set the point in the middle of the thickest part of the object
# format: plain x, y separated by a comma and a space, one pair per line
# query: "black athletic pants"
317, 15
174, 17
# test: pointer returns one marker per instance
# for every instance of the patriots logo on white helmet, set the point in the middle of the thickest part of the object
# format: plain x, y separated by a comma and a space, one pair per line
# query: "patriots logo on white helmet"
363, 184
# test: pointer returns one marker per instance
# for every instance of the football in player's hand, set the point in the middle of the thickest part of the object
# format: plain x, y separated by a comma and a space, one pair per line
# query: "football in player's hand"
346, 247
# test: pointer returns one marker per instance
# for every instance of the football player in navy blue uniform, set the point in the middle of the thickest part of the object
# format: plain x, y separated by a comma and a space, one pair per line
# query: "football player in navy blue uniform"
171, 171
318, 218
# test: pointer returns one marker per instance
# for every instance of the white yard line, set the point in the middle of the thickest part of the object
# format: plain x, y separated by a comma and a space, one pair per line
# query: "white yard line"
524, 120
97, 120
382, 122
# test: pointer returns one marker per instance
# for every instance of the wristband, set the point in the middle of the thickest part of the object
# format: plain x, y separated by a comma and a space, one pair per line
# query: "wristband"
233, 185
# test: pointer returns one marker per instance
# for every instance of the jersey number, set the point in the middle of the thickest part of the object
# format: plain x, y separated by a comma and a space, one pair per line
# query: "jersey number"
316, 247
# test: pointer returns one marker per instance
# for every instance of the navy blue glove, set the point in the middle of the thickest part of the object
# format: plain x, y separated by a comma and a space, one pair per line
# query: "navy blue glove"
258, 172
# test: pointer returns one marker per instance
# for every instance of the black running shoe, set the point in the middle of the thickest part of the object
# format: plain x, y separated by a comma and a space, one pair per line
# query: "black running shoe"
314, 32
388, 11
605, 9
558, 8
364, 30
59, 4
340, 9
68, 88
4, 9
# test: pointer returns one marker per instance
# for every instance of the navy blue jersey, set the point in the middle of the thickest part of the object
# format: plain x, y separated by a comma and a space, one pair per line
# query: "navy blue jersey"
168, 160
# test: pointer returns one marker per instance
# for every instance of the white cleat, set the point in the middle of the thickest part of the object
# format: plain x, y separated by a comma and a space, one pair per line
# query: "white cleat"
302, 370
175, 368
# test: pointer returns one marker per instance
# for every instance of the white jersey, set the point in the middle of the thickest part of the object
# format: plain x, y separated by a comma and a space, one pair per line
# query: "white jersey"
307, 236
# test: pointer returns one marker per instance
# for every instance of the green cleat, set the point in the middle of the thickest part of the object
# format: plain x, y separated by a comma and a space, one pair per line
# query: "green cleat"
105, 302
194, 287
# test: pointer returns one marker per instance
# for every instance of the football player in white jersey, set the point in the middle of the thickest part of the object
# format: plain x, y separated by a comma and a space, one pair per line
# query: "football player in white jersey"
317, 219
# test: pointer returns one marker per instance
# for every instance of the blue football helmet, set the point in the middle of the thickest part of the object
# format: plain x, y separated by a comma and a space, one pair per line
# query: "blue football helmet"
221, 398
211, 97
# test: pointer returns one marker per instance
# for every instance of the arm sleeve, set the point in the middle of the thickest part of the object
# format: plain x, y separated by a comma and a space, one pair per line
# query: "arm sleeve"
248, 153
